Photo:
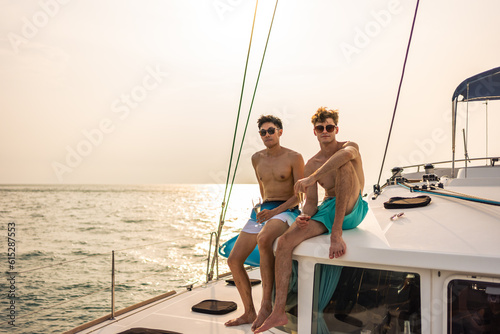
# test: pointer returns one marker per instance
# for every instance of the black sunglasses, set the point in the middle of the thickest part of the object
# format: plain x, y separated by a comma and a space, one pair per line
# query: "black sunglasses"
263, 132
321, 128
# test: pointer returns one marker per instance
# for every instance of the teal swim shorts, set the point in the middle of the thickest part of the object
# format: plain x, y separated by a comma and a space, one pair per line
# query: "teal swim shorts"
326, 214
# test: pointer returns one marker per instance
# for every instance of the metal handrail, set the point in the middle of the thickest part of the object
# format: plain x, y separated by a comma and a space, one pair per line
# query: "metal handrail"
210, 273
113, 283
492, 160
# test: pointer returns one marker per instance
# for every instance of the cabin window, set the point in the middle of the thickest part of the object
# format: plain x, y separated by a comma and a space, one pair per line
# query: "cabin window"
473, 306
361, 300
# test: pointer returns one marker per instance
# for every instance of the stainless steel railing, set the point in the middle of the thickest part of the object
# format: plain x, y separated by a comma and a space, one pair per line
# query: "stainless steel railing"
35, 314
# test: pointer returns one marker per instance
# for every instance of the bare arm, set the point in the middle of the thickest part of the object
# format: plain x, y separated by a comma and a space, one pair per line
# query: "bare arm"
349, 152
341, 157
254, 164
311, 205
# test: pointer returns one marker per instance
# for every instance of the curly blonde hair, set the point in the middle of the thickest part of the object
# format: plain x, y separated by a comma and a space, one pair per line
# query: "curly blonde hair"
323, 113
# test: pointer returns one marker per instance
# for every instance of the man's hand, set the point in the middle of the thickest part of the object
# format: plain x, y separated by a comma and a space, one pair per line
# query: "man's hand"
303, 221
302, 184
265, 215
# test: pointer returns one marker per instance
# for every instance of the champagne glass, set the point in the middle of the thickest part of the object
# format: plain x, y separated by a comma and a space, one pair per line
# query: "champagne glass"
257, 205
302, 201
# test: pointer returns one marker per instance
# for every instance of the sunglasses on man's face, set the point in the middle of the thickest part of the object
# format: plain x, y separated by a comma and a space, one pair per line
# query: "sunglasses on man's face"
263, 132
321, 128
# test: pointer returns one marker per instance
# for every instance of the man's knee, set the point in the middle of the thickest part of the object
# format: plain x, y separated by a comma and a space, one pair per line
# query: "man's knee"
286, 243
346, 177
234, 261
346, 170
265, 240
273, 229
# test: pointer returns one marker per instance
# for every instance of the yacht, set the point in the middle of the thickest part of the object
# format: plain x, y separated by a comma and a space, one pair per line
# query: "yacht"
426, 259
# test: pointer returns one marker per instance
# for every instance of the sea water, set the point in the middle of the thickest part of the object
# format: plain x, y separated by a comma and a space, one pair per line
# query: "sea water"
58, 240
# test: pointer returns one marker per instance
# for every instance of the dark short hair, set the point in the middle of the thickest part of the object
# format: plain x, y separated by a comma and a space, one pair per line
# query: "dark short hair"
322, 114
269, 118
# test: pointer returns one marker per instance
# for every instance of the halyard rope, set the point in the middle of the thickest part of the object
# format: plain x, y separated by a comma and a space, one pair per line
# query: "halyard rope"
397, 97
227, 194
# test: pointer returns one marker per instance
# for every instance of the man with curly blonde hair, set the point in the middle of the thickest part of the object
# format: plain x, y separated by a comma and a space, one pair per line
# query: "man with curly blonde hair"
337, 167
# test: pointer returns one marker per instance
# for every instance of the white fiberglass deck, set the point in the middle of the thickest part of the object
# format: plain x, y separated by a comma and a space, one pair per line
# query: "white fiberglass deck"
448, 237
448, 234
174, 313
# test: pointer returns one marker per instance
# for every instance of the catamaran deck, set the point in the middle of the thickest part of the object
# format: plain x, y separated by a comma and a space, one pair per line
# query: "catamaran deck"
176, 315
435, 241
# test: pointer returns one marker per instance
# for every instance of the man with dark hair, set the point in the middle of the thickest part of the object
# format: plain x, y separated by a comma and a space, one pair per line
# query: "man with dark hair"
269, 119
337, 167
277, 169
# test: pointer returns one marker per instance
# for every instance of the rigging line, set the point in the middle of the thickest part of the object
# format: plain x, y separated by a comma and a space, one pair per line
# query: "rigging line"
151, 244
93, 255
44, 308
465, 198
239, 110
399, 91
60, 263
225, 199
224, 208
253, 99
451, 192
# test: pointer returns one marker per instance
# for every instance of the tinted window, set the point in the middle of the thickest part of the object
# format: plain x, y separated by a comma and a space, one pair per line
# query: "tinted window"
473, 307
351, 300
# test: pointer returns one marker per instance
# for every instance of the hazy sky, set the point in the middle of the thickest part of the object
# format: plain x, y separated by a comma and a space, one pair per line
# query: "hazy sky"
108, 91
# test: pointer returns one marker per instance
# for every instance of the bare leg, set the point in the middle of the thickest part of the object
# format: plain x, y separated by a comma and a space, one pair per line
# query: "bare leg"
273, 229
347, 190
283, 268
244, 246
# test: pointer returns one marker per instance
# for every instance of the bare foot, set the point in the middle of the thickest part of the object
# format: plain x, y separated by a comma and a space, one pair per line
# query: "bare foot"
264, 312
337, 246
244, 319
274, 320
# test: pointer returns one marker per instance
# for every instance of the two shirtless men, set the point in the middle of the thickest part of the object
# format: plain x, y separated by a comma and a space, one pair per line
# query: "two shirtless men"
280, 172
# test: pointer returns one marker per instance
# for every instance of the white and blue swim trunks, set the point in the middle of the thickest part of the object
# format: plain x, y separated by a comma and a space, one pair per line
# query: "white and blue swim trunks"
287, 216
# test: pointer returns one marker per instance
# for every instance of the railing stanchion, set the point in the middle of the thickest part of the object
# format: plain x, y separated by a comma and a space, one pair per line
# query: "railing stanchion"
210, 273
112, 284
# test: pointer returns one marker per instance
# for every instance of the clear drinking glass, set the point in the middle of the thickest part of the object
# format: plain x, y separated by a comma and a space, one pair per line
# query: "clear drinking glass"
302, 201
257, 205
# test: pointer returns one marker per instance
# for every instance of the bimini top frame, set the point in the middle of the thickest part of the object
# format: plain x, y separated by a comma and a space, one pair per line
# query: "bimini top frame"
480, 87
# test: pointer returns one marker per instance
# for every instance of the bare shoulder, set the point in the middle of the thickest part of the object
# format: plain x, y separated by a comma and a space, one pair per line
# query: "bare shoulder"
257, 156
350, 144
351, 147
291, 154
313, 164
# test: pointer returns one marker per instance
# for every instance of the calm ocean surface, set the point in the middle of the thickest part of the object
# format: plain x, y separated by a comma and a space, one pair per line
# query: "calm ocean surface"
64, 236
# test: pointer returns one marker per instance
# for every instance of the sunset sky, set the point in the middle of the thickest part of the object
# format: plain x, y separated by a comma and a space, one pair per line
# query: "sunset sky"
108, 91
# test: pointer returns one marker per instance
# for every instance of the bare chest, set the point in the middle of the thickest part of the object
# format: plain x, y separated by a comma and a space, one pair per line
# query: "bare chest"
274, 170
